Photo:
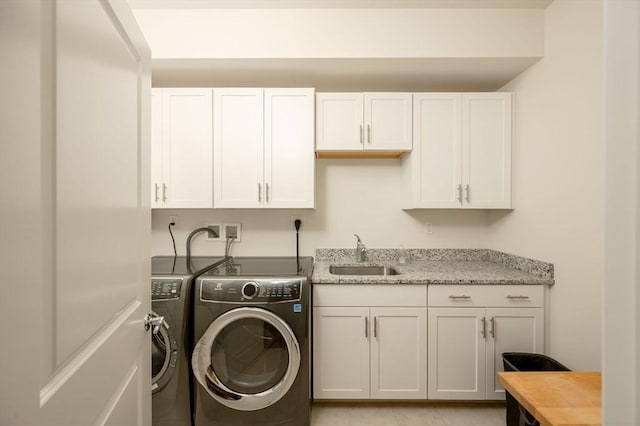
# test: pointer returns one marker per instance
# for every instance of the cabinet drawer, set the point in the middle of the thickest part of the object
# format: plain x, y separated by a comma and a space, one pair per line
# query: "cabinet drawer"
486, 295
369, 295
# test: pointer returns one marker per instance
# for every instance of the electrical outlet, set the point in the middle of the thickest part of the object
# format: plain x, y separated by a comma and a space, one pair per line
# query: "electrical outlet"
233, 230
292, 220
216, 228
428, 227
173, 219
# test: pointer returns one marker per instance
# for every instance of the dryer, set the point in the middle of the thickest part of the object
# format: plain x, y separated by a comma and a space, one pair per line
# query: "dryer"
171, 297
251, 362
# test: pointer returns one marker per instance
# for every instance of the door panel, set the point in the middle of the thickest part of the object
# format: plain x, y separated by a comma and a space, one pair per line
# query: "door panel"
341, 353
399, 353
387, 120
339, 121
238, 148
289, 152
77, 326
456, 353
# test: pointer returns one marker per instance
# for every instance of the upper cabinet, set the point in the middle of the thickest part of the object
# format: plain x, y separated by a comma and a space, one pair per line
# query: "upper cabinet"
363, 124
461, 154
263, 148
181, 161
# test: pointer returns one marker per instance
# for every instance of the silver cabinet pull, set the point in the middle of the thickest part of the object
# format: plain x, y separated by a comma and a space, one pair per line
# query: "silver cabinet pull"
483, 331
375, 327
266, 197
366, 327
462, 296
361, 136
164, 192
460, 193
468, 189
156, 192
259, 192
492, 330
368, 133
521, 297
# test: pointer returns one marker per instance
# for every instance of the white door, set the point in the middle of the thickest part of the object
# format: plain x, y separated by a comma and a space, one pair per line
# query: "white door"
289, 155
486, 148
511, 330
341, 353
75, 196
399, 353
187, 143
339, 121
238, 148
387, 121
456, 353
436, 159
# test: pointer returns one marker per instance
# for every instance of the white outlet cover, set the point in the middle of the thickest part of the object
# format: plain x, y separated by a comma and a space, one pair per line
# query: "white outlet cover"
217, 228
428, 227
233, 229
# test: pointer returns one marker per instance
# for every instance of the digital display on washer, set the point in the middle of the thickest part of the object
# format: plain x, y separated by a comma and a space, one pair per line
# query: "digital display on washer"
251, 291
165, 288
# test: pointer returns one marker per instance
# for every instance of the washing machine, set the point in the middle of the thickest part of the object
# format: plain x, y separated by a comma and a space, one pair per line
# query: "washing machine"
251, 327
171, 297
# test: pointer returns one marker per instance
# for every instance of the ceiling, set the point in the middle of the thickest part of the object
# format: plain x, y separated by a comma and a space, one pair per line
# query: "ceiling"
337, 4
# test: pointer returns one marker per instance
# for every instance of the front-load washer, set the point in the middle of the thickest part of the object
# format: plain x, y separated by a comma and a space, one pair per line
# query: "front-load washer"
171, 297
251, 360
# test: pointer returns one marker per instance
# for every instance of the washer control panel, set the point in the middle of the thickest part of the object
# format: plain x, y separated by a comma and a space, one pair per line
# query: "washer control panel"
250, 291
165, 288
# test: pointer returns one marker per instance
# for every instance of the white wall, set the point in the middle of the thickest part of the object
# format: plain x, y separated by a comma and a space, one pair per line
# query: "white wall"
352, 196
343, 33
559, 177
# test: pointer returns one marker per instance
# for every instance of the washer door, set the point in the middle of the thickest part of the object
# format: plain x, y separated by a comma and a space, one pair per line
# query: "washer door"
247, 359
163, 358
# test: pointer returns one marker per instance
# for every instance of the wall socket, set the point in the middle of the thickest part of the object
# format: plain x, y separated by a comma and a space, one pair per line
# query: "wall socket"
428, 227
173, 219
292, 221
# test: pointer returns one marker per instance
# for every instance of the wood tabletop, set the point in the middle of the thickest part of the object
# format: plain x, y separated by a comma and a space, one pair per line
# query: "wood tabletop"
557, 398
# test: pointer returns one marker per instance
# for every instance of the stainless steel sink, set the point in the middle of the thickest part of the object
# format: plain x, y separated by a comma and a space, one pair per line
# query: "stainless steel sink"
362, 270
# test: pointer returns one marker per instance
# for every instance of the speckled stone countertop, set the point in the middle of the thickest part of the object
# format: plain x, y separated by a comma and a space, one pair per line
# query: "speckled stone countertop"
435, 266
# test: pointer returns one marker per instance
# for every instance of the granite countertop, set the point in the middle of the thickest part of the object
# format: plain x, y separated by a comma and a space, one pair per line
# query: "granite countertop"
435, 266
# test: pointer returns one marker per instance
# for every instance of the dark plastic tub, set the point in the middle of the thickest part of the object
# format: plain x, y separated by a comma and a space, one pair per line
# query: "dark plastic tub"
517, 415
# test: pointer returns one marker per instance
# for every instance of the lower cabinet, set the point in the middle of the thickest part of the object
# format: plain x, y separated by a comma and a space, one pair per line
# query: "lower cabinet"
466, 343
369, 352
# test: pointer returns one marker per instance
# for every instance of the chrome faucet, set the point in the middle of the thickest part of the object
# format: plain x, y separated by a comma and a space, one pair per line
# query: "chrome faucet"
361, 250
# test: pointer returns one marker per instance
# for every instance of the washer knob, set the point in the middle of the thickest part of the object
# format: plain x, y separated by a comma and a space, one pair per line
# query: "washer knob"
250, 289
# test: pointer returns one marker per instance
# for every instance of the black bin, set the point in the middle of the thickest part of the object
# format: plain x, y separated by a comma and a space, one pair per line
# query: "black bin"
517, 415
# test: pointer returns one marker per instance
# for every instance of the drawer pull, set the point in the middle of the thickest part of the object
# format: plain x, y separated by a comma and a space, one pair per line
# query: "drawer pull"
463, 296
483, 332
366, 327
521, 297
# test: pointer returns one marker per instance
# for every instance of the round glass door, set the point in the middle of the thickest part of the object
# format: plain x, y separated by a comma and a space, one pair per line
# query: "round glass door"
162, 352
247, 359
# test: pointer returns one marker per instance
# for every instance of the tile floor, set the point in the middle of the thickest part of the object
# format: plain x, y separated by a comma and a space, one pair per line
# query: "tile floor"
407, 414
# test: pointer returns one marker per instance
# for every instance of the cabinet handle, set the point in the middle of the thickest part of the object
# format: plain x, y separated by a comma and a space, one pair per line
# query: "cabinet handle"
368, 133
468, 189
460, 193
492, 330
462, 296
259, 192
164, 192
266, 198
483, 331
361, 136
366, 327
156, 192
521, 297
375, 327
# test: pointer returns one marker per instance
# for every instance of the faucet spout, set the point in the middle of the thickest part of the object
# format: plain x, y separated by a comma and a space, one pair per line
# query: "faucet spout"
361, 250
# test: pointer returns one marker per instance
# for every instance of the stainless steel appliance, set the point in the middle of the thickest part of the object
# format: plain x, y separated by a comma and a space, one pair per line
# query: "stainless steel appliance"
251, 360
171, 297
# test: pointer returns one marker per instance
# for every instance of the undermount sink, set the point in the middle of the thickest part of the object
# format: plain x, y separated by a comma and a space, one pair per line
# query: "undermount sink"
362, 270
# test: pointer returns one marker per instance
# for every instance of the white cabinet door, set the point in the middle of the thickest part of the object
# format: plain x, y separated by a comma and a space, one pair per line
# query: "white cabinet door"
387, 121
510, 330
181, 148
339, 124
436, 159
399, 353
238, 148
486, 148
340, 353
289, 157
456, 360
